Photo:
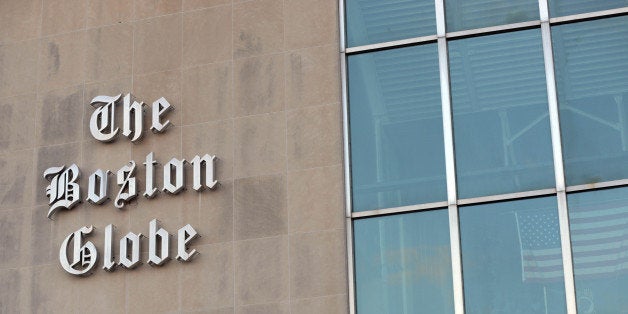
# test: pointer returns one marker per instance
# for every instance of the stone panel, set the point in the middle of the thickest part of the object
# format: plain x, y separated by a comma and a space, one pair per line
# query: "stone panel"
260, 145
19, 20
109, 52
16, 180
310, 23
18, 75
258, 27
260, 207
59, 116
207, 93
14, 232
107, 12
207, 36
150, 8
17, 123
157, 43
259, 85
312, 77
315, 199
208, 279
62, 61
317, 264
336, 304
62, 16
260, 267
314, 137
189, 5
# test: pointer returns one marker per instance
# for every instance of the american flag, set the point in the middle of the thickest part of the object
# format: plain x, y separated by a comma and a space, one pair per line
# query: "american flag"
599, 237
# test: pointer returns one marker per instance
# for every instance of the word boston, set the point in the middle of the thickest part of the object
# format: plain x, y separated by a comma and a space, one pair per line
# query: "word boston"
64, 191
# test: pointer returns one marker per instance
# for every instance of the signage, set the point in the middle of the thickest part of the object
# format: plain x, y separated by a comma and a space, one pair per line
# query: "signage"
78, 256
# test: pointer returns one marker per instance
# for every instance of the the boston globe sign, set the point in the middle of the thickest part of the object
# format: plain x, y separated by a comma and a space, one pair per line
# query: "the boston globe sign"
77, 254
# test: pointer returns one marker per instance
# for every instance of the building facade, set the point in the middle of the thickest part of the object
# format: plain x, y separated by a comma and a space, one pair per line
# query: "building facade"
320, 156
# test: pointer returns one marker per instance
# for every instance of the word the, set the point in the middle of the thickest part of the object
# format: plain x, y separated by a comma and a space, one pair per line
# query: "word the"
102, 123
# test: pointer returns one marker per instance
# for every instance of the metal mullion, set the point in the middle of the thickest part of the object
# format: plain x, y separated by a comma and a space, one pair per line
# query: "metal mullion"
341, 25
493, 29
588, 15
559, 171
597, 185
390, 44
399, 210
450, 163
350, 266
503, 197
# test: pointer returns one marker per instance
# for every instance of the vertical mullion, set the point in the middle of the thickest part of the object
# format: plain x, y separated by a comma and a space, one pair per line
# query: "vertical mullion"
450, 165
347, 172
559, 170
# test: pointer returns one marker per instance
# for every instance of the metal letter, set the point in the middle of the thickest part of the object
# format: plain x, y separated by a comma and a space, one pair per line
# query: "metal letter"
126, 180
186, 234
130, 258
176, 166
208, 162
151, 190
97, 188
101, 124
160, 107
63, 190
109, 263
134, 127
157, 256
86, 254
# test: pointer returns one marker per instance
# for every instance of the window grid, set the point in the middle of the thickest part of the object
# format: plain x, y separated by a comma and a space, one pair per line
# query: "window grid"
452, 203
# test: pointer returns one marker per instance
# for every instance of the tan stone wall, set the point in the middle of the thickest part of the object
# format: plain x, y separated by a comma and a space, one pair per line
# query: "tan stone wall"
254, 82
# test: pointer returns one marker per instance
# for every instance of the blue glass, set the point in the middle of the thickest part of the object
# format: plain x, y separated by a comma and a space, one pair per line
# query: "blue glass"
599, 244
397, 150
376, 21
511, 257
403, 264
501, 121
471, 14
569, 7
591, 61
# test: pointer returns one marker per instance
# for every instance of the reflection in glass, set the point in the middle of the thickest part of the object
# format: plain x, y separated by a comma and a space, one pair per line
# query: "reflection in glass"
397, 150
501, 121
511, 257
599, 239
376, 21
470, 14
569, 7
403, 264
591, 60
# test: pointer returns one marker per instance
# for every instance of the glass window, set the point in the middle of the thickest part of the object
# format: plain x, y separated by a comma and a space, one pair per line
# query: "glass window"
511, 257
599, 240
403, 264
591, 60
397, 150
501, 121
569, 7
470, 14
375, 21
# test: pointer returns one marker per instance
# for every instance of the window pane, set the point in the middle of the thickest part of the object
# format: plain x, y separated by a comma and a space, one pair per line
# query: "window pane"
599, 239
470, 14
511, 257
569, 7
501, 121
375, 21
397, 151
591, 60
403, 264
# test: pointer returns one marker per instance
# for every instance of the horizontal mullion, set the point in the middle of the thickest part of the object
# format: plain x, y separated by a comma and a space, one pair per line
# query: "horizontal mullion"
399, 210
588, 15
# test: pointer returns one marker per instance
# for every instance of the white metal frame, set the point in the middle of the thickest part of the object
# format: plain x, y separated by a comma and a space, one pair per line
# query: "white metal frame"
560, 191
